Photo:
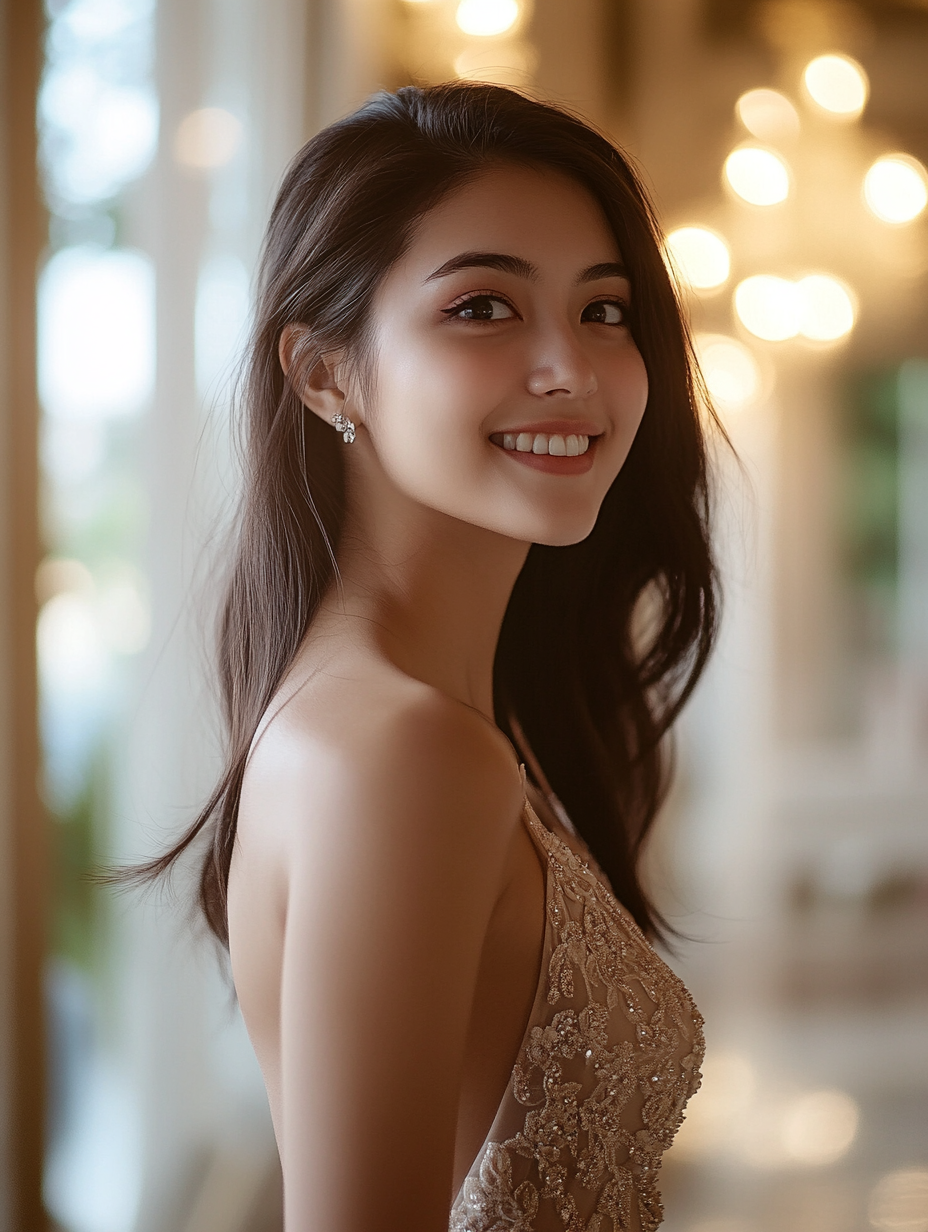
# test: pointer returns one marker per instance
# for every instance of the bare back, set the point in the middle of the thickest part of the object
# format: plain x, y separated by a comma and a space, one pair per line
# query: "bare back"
367, 792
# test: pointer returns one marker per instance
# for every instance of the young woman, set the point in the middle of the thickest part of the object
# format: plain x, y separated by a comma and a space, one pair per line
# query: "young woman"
473, 539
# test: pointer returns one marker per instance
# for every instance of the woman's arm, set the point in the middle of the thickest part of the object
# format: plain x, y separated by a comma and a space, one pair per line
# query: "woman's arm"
394, 865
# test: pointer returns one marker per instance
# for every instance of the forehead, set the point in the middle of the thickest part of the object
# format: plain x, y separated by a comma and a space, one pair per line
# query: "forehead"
540, 215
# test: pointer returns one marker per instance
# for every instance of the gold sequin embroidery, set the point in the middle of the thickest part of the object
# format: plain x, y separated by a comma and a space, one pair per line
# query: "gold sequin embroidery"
602, 1078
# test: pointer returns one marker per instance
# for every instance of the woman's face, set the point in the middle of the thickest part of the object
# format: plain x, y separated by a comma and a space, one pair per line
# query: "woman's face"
506, 389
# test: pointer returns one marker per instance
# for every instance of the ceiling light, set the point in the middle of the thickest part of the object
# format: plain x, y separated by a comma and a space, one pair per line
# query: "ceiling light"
758, 176
896, 188
826, 308
768, 115
768, 307
699, 256
487, 17
838, 84
819, 1127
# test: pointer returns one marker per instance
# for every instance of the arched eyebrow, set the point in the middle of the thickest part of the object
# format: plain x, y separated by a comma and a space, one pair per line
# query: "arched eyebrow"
605, 269
503, 261
507, 263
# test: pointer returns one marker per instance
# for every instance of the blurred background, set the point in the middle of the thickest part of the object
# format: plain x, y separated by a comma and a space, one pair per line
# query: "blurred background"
785, 145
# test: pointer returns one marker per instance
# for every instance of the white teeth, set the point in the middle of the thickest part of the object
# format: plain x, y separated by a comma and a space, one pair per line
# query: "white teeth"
556, 445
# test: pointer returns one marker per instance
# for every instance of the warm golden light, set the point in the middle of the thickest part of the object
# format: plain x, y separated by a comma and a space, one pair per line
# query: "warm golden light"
506, 64
838, 84
487, 17
818, 306
899, 1201
207, 138
818, 1128
733, 380
699, 256
896, 188
768, 115
758, 176
768, 307
826, 308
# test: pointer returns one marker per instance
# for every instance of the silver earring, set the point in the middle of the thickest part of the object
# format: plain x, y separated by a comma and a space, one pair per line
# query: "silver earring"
345, 427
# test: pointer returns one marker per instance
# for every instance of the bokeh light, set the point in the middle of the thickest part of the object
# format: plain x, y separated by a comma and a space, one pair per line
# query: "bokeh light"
757, 176
818, 306
896, 188
123, 613
819, 1127
768, 306
220, 318
826, 308
837, 84
729, 1080
107, 134
71, 653
768, 115
700, 256
96, 333
487, 17
207, 138
899, 1201
58, 575
733, 380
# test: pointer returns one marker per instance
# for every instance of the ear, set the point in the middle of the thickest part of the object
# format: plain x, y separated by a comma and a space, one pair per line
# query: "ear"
320, 389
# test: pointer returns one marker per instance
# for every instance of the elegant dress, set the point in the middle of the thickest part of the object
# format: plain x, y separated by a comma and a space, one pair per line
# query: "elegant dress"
610, 1056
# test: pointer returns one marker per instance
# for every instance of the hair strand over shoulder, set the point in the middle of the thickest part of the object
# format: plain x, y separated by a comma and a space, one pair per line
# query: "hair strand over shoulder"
596, 719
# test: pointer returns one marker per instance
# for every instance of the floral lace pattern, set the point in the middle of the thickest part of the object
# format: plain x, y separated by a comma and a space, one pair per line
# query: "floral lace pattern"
608, 1061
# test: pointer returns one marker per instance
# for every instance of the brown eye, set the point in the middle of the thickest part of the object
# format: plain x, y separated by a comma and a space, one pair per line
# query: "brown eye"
483, 308
604, 312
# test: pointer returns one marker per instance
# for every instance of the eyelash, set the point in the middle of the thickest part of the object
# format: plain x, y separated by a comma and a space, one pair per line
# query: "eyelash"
611, 299
458, 304
453, 309
619, 303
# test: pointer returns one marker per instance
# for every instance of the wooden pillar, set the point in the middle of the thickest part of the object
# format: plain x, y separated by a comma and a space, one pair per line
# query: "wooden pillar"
23, 897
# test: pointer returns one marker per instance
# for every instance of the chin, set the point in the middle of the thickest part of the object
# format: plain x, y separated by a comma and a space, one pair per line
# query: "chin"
563, 532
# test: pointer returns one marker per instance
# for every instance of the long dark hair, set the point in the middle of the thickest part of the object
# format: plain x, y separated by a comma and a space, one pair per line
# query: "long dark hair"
595, 719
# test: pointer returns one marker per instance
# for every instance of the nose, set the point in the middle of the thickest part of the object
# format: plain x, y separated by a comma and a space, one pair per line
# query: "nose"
562, 368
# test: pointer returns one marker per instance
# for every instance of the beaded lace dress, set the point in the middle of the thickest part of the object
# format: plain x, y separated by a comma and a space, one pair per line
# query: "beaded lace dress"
608, 1060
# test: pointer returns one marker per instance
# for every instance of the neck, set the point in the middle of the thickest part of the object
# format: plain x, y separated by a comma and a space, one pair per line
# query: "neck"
430, 591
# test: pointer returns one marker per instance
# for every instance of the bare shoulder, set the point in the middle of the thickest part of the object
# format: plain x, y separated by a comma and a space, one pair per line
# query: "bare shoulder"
380, 814
377, 759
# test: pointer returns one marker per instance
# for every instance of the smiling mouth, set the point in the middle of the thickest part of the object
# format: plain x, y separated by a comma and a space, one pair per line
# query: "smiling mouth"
553, 444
